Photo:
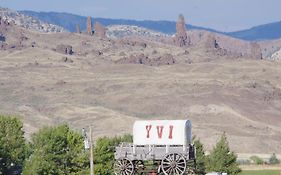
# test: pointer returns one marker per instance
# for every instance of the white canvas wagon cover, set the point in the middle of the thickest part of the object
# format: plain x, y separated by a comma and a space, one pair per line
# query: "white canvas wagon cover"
162, 132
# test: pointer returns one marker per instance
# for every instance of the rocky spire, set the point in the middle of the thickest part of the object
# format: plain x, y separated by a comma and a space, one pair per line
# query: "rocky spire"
100, 30
89, 25
181, 38
256, 52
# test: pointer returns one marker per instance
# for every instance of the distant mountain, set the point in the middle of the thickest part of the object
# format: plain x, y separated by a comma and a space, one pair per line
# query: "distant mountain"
69, 21
262, 32
28, 22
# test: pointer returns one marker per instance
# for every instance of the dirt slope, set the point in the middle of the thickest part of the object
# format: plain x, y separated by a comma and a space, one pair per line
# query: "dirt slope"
217, 92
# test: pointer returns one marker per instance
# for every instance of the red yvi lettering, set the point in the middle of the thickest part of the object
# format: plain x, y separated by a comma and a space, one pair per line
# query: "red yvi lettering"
148, 128
160, 131
171, 132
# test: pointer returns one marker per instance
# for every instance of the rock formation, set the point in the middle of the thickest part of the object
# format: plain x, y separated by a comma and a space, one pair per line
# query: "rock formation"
181, 39
100, 30
132, 42
12, 17
89, 26
78, 30
2, 38
211, 42
256, 52
166, 59
64, 49
4, 23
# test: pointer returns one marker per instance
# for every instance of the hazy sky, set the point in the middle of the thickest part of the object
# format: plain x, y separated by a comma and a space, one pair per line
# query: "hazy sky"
224, 15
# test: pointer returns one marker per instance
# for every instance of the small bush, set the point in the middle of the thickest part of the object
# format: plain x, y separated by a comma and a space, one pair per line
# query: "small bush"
257, 160
273, 159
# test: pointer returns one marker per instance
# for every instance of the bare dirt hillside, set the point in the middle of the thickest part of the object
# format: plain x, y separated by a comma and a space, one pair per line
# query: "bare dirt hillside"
111, 83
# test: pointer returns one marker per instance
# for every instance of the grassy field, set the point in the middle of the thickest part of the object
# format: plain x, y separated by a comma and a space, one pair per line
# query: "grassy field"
261, 172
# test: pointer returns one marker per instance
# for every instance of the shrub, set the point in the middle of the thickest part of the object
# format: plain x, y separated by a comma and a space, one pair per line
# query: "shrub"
257, 160
273, 159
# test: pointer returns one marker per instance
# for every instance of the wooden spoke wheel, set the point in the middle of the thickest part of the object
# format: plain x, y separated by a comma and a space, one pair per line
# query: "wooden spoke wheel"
173, 164
123, 167
138, 166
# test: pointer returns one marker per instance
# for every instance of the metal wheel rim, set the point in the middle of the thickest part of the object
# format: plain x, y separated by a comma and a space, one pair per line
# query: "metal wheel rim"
173, 164
123, 167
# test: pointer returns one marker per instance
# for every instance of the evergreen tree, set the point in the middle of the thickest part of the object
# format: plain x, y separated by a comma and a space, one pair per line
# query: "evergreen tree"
200, 157
56, 150
221, 159
12, 144
273, 159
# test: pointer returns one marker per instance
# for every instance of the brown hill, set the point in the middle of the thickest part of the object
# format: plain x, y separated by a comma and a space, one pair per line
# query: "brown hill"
218, 89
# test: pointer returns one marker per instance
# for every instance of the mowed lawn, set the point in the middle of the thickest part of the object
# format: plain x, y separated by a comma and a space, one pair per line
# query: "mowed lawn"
261, 172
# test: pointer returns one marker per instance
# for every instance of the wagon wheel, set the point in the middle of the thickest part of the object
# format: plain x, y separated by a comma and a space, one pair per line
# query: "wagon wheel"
173, 164
123, 167
138, 166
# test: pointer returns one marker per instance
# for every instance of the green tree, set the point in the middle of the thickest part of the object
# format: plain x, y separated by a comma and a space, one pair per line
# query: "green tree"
221, 159
257, 160
273, 159
200, 157
12, 144
104, 153
56, 150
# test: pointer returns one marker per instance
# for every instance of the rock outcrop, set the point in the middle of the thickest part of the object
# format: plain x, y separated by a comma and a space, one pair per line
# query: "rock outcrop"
64, 49
2, 38
4, 23
256, 52
276, 56
100, 30
20, 19
89, 26
166, 59
121, 31
181, 39
211, 42
132, 42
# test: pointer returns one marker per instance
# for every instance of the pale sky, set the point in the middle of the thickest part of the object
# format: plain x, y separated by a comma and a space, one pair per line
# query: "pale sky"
223, 15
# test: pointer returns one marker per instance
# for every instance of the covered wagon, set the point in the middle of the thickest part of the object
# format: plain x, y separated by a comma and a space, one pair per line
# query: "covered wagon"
159, 146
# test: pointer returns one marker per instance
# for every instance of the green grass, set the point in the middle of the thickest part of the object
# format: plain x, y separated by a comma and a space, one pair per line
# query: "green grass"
261, 172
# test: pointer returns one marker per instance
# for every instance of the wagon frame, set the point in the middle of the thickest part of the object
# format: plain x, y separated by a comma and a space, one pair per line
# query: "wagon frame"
169, 159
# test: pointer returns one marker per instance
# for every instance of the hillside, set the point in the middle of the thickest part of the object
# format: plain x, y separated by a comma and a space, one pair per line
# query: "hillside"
28, 22
84, 80
120, 31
